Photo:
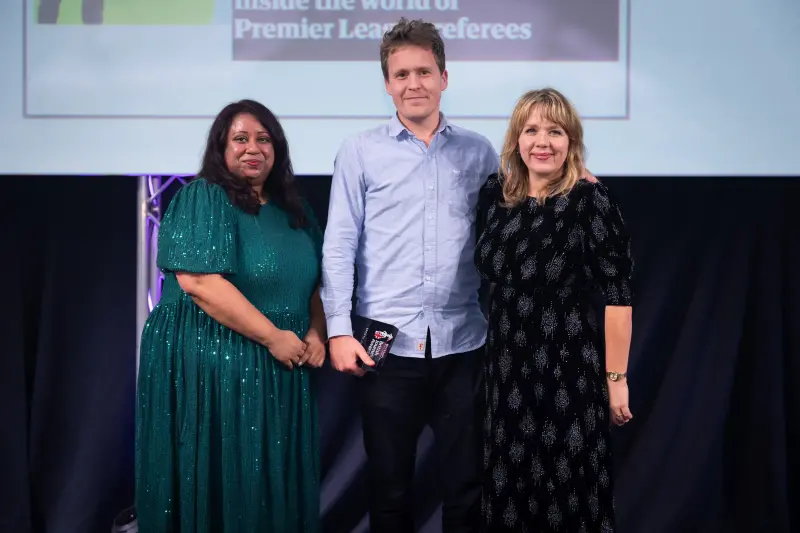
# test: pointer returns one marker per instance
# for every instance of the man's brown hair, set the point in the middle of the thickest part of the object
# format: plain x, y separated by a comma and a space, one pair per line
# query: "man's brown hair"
412, 33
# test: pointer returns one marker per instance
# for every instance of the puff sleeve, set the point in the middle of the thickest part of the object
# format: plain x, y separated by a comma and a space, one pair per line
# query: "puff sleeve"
198, 231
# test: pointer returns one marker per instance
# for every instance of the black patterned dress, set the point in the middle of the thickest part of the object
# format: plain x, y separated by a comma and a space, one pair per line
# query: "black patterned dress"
547, 449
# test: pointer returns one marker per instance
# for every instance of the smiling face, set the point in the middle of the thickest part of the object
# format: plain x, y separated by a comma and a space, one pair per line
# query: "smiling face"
249, 153
543, 146
415, 83
543, 151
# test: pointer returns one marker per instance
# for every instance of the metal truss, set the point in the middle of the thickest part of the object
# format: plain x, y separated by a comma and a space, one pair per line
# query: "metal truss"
149, 278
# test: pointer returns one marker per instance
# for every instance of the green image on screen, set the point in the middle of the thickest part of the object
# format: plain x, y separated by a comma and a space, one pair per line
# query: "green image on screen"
125, 12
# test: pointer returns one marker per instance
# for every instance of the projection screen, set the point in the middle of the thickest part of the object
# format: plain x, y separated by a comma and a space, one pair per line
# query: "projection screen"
665, 88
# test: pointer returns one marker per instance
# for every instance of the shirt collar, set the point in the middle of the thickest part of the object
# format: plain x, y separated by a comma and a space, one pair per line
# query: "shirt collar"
396, 127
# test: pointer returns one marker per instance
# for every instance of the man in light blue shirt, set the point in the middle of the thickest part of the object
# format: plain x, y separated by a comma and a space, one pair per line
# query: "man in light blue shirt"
402, 216
404, 212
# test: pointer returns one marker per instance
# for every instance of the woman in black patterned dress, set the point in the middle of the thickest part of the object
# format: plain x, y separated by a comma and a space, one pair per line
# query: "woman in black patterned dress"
550, 242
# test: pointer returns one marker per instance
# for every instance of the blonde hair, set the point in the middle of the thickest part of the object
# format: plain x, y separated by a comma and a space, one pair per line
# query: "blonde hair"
554, 107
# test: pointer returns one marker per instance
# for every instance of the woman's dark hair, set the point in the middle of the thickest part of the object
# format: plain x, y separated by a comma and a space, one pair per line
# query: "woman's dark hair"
280, 187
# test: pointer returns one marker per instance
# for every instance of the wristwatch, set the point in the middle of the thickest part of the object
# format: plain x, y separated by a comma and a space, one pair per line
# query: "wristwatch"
615, 376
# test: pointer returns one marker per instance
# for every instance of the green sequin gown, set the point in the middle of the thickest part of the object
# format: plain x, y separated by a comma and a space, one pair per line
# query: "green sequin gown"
226, 437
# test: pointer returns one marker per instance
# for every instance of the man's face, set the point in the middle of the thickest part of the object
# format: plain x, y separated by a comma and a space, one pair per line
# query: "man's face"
415, 83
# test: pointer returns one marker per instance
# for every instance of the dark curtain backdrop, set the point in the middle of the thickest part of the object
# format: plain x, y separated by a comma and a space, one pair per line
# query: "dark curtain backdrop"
714, 370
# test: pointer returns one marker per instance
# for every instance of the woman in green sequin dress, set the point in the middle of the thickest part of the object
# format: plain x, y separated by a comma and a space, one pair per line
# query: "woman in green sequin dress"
226, 434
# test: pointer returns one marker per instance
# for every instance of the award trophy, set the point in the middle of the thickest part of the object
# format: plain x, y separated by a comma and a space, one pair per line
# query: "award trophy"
376, 337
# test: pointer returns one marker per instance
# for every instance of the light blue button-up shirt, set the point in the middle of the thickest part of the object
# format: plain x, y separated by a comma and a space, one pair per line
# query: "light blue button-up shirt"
402, 216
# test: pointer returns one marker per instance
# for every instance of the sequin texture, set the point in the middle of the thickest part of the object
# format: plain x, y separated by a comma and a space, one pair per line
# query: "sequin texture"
226, 437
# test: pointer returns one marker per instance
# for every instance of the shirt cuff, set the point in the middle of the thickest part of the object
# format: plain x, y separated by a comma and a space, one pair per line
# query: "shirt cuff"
339, 325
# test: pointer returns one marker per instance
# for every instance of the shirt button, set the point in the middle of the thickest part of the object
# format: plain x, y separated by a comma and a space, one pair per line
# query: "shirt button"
430, 188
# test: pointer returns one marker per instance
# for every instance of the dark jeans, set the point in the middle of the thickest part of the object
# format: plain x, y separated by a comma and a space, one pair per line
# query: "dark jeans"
445, 393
